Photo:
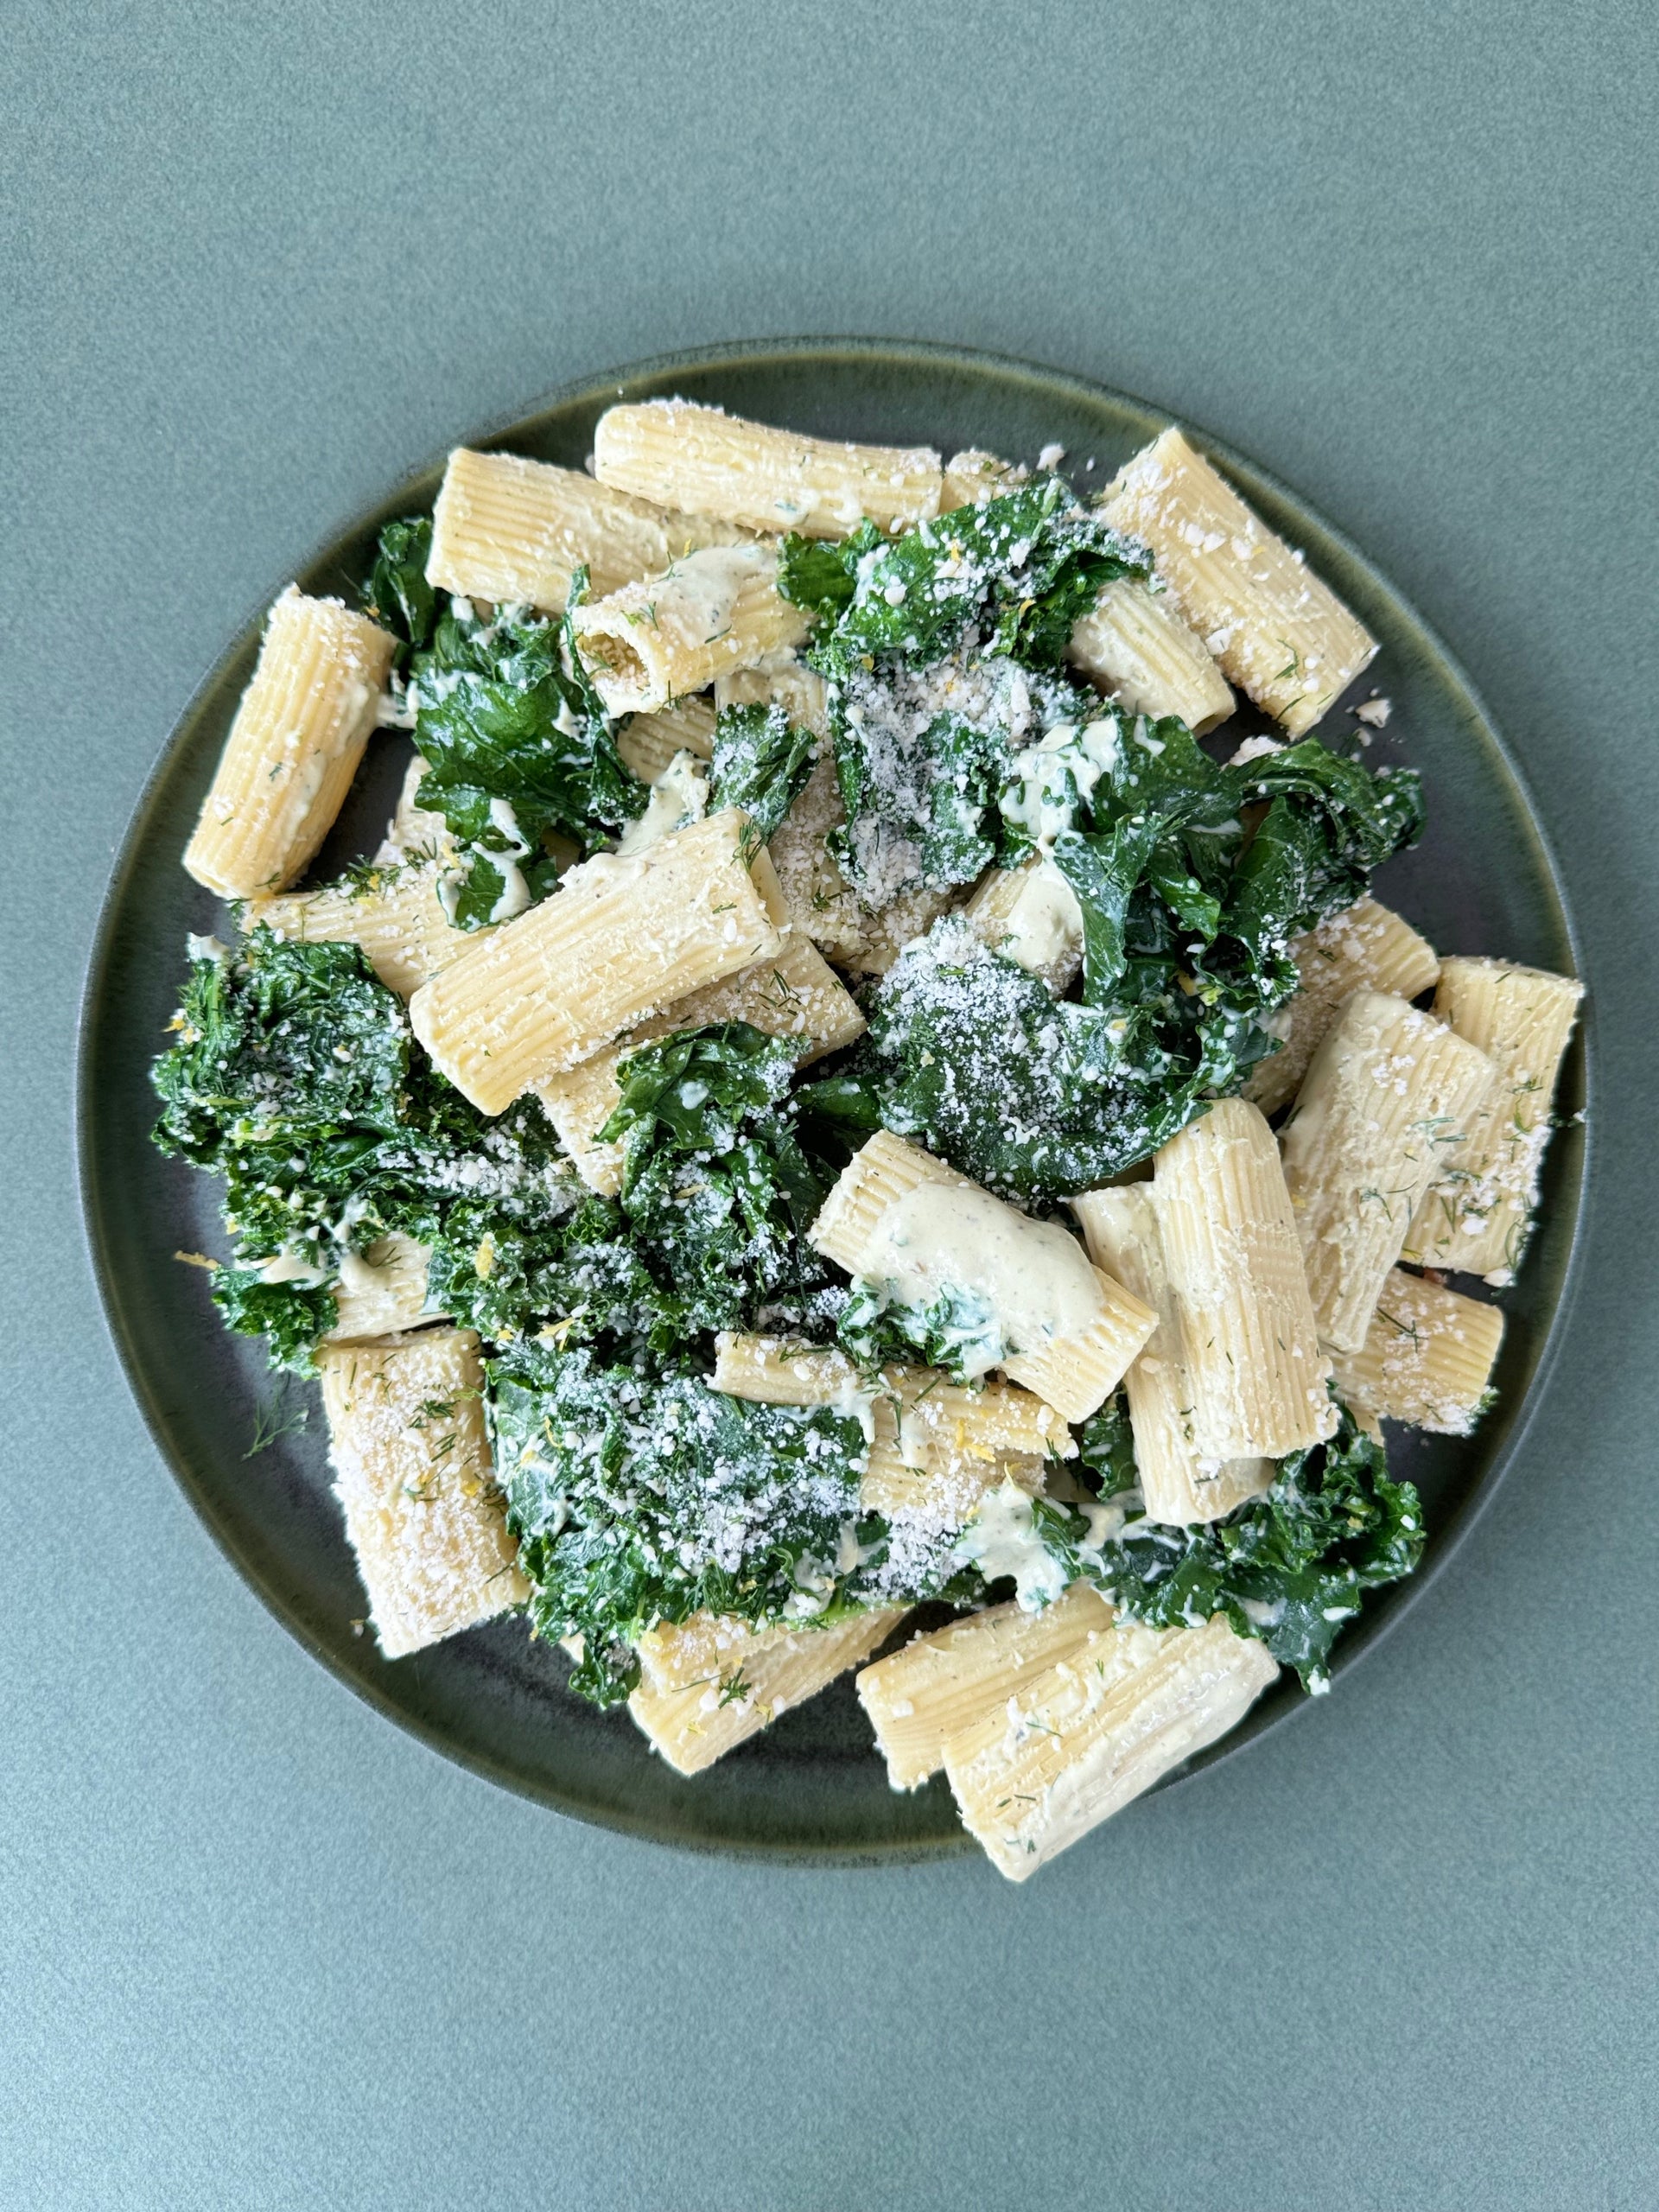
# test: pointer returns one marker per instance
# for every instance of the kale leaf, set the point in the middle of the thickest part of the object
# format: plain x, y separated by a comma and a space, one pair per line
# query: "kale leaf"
640, 1498
517, 751
957, 1331
1191, 880
1289, 1567
398, 596
294, 1076
761, 761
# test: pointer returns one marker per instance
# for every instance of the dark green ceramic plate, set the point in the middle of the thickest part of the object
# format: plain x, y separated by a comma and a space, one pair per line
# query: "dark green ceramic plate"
810, 1787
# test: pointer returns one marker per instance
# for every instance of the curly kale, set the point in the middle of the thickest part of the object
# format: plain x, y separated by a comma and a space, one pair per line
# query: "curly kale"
396, 595
640, 1498
1289, 1567
761, 762
1191, 880
518, 750
942, 648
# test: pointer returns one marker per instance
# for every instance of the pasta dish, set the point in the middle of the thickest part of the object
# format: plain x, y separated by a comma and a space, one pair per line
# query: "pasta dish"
848, 1089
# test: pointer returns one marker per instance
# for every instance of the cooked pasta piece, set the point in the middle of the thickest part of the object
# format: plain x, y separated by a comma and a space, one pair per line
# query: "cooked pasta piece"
1363, 948
1256, 1376
1389, 1096
785, 681
293, 748
1140, 648
1075, 1743
1178, 1481
919, 1697
617, 941
679, 454
902, 1219
412, 1469
1279, 633
506, 529
972, 477
650, 743
1476, 1216
1428, 1357
792, 993
1030, 915
382, 1290
395, 914
935, 1446
710, 613
750, 1680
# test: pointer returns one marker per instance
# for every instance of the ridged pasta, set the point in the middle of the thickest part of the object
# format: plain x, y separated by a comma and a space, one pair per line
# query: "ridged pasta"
1428, 1357
1363, 948
506, 529
935, 1446
1476, 1216
1079, 1739
1075, 1371
677, 453
711, 613
1388, 1097
920, 1696
649, 743
618, 941
395, 914
382, 1290
751, 1680
294, 748
972, 477
1279, 634
1178, 1482
1030, 915
1140, 648
792, 993
413, 1473
1257, 1379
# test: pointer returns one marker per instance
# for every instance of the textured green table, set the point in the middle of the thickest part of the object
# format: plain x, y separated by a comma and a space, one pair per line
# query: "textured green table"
258, 1948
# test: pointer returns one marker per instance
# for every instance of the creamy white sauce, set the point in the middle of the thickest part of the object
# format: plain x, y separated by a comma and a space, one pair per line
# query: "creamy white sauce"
1003, 1540
1056, 773
679, 795
1045, 922
1033, 1275
288, 1266
699, 593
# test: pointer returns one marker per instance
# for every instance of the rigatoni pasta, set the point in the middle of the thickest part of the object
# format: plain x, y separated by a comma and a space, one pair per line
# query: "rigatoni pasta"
508, 529
619, 940
294, 748
412, 1471
1362, 947
1428, 1357
1476, 1215
1138, 647
1279, 633
1388, 1097
710, 613
675, 452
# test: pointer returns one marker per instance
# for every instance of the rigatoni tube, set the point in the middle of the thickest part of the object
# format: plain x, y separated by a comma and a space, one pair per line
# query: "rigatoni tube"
1257, 1378
1428, 1357
1389, 1096
1279, 633
508, 529
294, 748
1142, 651
681, 454
1364, 947
1476, 1216
618, 941
711, 613
412, 1469
1179, 1484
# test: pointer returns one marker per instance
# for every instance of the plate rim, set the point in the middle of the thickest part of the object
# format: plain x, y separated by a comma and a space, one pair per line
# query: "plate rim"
751, 354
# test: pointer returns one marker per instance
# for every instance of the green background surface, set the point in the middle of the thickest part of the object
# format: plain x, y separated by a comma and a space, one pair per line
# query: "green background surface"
258, 1949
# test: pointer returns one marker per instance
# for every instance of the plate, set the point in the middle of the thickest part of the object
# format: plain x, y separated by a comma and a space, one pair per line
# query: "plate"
810, 1788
